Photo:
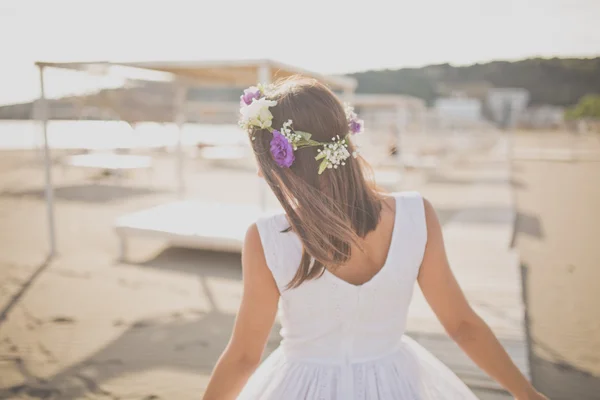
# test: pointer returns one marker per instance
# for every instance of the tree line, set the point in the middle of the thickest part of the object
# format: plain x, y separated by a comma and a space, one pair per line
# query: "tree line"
554, 81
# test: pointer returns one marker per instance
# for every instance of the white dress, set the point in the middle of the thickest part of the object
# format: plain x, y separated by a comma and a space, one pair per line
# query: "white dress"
346, 342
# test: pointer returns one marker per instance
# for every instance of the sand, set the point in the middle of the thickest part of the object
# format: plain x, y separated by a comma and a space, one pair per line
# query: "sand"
92, 327
557, 236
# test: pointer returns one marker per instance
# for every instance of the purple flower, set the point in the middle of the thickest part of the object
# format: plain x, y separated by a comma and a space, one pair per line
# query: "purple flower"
250, 94
282, 150
355, 125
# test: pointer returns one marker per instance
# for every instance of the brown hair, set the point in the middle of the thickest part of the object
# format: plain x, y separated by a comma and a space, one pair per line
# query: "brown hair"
331, 211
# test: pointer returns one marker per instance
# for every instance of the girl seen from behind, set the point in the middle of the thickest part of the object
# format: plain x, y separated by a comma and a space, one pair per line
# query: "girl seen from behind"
341, 262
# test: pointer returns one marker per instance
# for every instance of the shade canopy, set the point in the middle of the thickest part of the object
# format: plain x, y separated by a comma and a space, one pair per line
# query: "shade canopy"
183, 74
239, 73
242, 72
386, 100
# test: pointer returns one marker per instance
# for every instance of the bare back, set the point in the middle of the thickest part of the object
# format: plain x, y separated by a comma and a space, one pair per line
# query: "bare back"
365, 263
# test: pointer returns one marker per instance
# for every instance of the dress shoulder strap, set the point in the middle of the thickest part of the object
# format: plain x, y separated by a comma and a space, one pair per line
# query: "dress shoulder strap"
282, 248
412, 229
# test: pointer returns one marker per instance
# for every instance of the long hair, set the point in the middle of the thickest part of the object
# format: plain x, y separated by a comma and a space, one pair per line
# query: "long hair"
329, 212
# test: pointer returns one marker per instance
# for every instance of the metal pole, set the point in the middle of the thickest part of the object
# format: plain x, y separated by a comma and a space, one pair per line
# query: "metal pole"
180, 101
510, 135
42, 110
572, 136
347, 95
400, 125
264, 77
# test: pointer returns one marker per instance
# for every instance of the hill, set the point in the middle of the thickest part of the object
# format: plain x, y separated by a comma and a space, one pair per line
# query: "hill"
556, 81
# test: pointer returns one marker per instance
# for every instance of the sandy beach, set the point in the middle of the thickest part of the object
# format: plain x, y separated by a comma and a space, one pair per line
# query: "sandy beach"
93, 327
558, 223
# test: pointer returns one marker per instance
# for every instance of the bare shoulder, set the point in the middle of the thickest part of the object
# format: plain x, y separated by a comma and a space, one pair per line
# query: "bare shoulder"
252, 242
389, 201
254, 264
431, 218
253, 257
428, 206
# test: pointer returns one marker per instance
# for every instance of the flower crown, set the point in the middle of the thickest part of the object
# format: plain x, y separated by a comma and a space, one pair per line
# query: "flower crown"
254, 109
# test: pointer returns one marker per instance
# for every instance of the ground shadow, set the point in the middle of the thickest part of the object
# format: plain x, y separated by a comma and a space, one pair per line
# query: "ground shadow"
91, 192
561, 381
198, 262
475, 215
168, 342
515, 167
527, 224
441, 179
14, 300
558, 380
447, 351
211, 165
190, 340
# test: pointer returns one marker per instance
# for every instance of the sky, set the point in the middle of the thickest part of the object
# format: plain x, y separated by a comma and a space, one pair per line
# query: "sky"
328, 36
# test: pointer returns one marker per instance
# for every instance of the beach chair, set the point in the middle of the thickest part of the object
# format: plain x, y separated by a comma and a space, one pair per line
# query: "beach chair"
193, 224
109, 162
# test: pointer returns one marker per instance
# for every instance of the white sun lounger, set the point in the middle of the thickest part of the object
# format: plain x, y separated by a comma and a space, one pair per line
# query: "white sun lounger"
411, 160
420, 161
227, 155
209, 226
223, 153
109, 161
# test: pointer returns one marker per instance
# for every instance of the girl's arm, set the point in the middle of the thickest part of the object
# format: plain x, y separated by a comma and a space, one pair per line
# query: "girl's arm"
466, 328
252, 325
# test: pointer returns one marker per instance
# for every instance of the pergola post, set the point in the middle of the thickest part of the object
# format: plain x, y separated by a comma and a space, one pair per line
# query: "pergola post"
400, 127
264, 77
42, 116
347, 94
180, 103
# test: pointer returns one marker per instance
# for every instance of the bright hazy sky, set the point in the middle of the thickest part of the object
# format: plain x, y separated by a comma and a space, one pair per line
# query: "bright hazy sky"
324, 35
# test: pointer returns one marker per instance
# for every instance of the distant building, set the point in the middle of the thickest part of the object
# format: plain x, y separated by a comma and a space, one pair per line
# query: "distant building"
458, 110
542, 117
505, 105
387, 118
380, 111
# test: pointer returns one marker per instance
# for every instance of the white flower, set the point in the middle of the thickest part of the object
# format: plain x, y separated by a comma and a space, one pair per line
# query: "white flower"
291, 136
285, 129
349, 110
257, 113
334, 154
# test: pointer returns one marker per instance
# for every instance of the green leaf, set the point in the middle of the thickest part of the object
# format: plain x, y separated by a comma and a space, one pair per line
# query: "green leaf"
305, 135
323, 166
320, 156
